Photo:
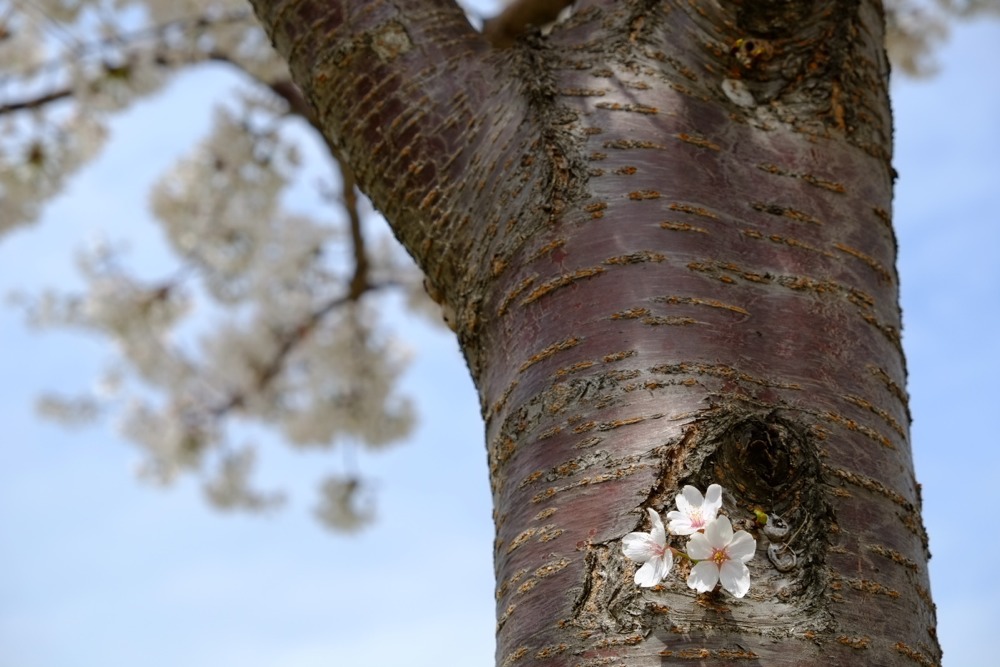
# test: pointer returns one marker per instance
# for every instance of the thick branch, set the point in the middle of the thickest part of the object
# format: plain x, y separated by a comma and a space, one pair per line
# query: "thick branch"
377, 72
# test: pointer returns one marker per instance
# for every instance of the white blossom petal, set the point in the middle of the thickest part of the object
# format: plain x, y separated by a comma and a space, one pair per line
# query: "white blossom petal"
698, 547
704, 576
680, 524
639, 547
658, 533
735, 577
663, 565
654, 571
689, 498
713, 501
742, 547
646, 575
719, 532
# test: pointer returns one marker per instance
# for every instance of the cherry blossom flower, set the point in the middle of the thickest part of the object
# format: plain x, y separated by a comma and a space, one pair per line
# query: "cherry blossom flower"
721, 555
650, 549
694, 511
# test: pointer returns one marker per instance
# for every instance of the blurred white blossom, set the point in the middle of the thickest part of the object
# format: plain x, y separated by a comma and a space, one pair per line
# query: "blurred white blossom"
171, 439
71, 410
345, 504
231, 486
913, 31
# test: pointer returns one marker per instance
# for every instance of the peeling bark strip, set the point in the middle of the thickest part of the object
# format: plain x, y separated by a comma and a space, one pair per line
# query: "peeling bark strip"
664, 231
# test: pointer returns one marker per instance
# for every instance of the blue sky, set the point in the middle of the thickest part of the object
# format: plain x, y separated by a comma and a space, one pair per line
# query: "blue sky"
98, 569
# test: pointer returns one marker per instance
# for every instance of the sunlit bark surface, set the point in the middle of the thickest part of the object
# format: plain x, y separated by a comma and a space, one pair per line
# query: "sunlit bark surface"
664, 236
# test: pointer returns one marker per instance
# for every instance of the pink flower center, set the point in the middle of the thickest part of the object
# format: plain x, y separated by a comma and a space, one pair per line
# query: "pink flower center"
697, 520
719, 556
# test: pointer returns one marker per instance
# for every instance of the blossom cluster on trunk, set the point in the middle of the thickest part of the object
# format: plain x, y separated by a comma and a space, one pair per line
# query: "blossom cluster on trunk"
718, 554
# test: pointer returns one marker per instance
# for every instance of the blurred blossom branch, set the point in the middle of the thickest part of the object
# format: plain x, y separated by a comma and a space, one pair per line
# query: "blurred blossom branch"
270, 315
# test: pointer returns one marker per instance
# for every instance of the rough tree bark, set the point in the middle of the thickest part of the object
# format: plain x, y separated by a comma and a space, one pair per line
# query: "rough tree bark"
664, 235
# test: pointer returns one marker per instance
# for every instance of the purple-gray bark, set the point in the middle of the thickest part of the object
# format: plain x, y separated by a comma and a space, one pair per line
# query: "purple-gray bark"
665, 234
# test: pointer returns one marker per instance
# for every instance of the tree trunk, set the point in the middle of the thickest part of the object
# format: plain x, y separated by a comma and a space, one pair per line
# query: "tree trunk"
664, 232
